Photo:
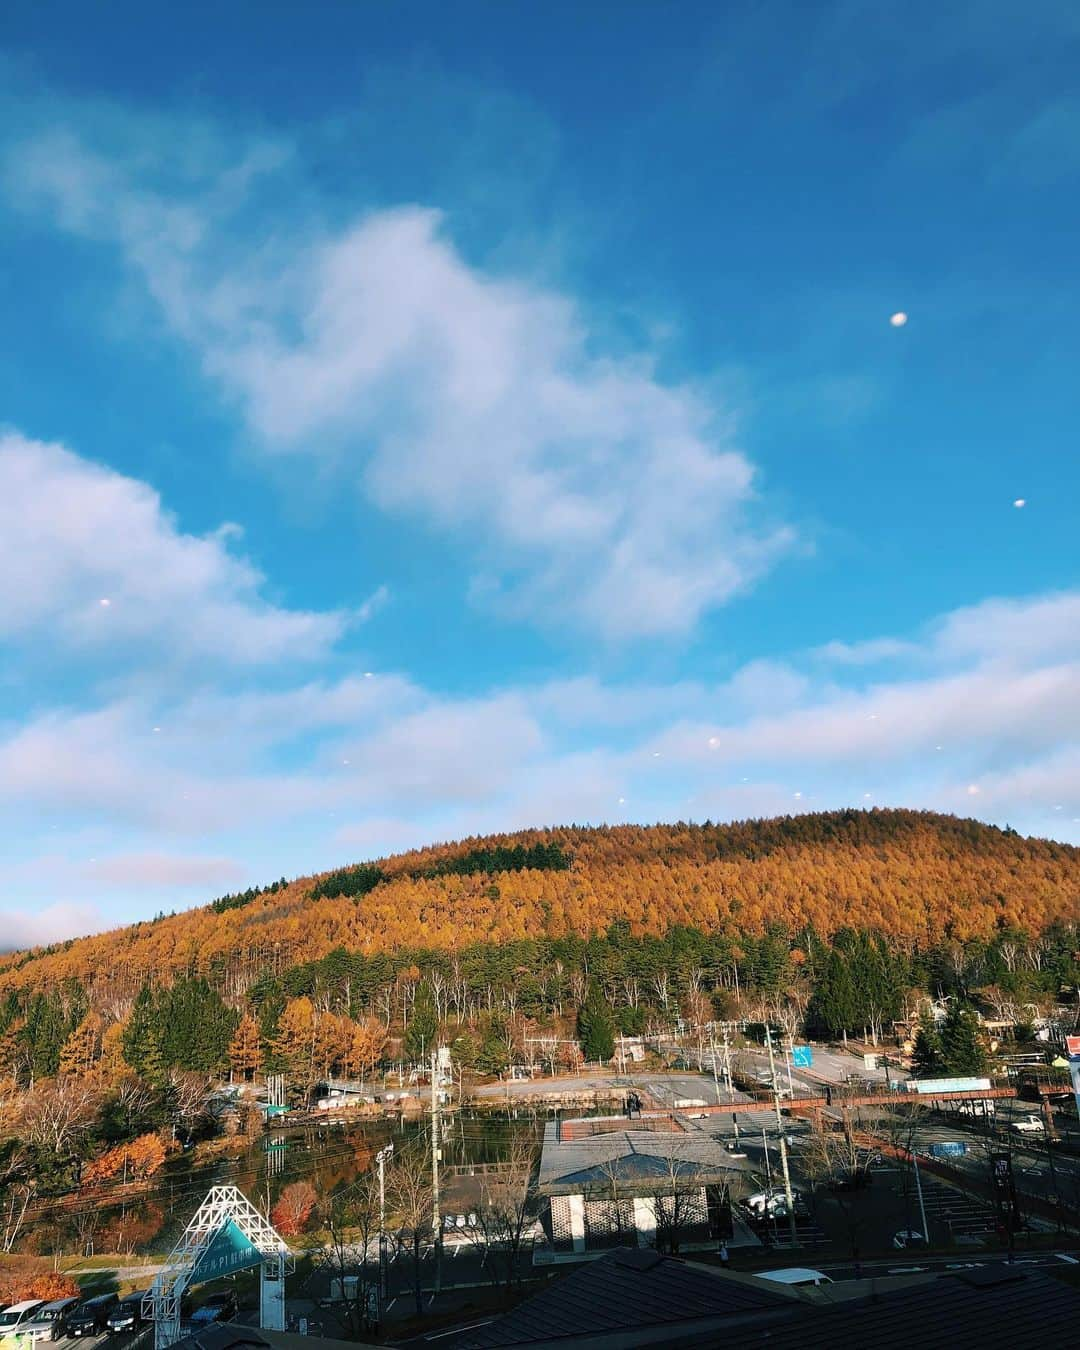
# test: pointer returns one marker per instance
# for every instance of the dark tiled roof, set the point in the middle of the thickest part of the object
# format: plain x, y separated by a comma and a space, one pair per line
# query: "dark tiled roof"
627, 1288
995, 1308
634, 1167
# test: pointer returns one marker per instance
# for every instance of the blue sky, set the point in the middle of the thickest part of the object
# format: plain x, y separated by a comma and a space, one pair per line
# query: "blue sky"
422, 420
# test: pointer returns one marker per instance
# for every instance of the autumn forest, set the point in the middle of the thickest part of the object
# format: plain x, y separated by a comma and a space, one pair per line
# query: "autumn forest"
829, 922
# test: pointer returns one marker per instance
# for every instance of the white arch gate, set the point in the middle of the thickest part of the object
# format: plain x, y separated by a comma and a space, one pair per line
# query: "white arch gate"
226, 1234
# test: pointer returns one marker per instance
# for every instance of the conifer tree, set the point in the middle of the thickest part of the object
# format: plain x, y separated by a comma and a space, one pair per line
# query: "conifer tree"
140, 1029
80, 1051
423, 1029
245, 1051
926, 1054
961, 1048
596, 1025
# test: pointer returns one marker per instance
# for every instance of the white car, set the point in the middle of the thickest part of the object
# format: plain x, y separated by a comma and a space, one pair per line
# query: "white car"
47, 1324
12, 1319
906, 1238
772, 1203
798, 1276
1029, 1124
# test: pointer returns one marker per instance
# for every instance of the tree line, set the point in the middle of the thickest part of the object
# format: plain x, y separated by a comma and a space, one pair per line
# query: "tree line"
362, 878
339, 1014
918, 880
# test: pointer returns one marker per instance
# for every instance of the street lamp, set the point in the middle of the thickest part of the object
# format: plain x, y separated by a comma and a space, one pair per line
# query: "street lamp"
381, 1159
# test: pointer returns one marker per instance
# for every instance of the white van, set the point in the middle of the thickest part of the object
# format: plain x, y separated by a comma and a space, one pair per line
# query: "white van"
12, 1319
799, 1276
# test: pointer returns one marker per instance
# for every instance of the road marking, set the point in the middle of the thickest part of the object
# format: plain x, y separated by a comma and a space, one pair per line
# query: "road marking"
1070, 1260
391, 1303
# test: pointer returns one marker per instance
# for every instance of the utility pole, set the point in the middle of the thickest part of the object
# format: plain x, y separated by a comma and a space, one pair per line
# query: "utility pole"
381, 1158
730, 1084
436, 1217
715, 1079
783, 1141
918, 1191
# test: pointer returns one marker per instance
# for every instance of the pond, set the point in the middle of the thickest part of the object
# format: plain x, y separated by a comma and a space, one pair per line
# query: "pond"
327, 1154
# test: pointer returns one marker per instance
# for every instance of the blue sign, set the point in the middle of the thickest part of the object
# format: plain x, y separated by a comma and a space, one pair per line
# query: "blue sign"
948, 1148
802, 1057
228, 1252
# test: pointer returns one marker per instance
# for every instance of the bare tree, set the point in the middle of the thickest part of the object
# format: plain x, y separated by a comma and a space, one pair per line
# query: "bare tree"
677, 1199
18, 1186
439, 993
190, 1096
412, 1204
505, 1209
840, 1157
57, 1114
350, 1218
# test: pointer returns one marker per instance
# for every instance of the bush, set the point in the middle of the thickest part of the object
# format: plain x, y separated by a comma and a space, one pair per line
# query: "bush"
293, 1209
30, 1277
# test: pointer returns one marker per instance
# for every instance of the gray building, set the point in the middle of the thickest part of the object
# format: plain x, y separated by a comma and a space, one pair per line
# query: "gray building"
611, 1182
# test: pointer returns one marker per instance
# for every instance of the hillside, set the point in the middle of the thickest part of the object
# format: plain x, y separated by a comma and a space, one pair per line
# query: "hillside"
913, 877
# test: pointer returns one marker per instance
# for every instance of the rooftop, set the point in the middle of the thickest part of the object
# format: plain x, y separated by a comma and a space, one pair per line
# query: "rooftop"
629, 1155
639, 1298
630, 1289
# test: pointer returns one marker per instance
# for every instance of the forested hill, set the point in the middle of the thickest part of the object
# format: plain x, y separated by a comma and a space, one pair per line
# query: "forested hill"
915, 877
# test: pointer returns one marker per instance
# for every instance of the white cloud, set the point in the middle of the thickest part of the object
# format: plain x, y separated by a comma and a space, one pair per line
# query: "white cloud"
594, 492
37, 927
154, 871
74, 535
287, 781
1017, 632
873, 652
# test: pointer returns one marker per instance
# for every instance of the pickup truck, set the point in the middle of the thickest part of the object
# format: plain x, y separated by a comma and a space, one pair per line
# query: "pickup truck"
1029, 1124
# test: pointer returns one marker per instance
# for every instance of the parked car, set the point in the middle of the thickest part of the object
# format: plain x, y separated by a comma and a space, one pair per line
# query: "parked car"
89, 1318
907, 1238
772, 1203
1029, 1124
49, 1323
217, 1308
798, 1276
14, 1318
127, 1315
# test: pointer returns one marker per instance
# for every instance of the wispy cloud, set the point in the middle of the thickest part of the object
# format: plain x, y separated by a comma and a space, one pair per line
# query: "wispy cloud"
32, 928
585, 488
92, 560
344, 755
153, 871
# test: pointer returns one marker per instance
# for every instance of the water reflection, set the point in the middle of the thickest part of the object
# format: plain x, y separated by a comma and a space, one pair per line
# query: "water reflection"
326, 1154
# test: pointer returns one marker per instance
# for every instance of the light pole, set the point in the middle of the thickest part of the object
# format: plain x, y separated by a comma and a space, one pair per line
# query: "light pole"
918, 1191
788, 1196
715, 1078
382, 1158
730, 1084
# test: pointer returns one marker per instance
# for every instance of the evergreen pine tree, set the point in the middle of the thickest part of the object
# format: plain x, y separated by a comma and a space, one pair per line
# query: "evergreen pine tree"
596, 1025
423, 1029
961, 1048
833, 1007
926, 1055
140, 1029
